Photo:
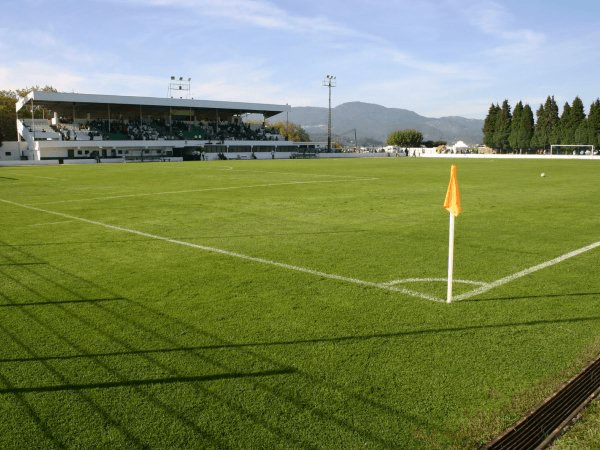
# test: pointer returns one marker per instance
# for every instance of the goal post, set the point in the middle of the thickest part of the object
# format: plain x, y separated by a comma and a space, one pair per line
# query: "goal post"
553, 146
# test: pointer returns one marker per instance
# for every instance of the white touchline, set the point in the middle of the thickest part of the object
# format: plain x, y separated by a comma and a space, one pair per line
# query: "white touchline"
234, 254
522, 273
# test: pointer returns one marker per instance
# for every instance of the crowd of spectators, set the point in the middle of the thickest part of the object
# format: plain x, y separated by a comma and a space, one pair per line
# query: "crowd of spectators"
154, 129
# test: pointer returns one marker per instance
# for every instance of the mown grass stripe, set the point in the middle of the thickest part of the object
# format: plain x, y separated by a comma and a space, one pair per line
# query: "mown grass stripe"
235, 254
190, 191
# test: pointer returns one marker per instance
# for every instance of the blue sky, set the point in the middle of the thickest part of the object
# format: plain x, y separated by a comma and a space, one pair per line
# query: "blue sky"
435, 57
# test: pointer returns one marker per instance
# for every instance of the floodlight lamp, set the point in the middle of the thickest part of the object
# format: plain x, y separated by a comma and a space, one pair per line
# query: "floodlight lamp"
172, 77
180, 78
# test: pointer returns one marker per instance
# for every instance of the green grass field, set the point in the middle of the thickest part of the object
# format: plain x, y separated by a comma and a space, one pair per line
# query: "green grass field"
290, 304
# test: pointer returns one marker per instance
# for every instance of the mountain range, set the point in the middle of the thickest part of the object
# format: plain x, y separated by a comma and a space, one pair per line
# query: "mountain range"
373, 123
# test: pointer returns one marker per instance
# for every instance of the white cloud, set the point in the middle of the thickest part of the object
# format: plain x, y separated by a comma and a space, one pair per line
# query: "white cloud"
37, 40
247, 81
494, 20
520, 44
21, 74
455, 70
261, 14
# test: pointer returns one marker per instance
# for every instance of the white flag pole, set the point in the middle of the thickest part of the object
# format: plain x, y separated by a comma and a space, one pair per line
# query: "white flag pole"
450, 258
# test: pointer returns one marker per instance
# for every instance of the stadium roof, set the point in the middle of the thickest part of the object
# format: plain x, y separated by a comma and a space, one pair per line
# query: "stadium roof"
107, 106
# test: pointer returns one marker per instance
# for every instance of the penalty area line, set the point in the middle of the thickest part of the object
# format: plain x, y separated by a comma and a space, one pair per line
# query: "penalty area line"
329, 276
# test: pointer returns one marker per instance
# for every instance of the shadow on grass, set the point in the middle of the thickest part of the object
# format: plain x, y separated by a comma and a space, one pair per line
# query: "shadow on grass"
62, 280
61, 302
401, 334
115, 323
323, 340
529, 297
34, 416
131, 383
23, 264
37, 416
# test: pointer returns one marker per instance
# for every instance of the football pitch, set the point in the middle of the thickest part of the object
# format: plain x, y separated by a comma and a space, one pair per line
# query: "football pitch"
291, 303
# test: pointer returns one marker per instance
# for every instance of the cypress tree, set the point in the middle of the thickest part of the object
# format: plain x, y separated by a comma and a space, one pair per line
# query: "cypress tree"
526, 125
546, 127
577, 119
502, 125
539, 139
566, 134
593, 124
582, 134
489, 126
553, 120
513, 138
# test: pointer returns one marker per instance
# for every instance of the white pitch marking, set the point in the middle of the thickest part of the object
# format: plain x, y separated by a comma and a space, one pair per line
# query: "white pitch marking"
234, 254
522, 273
429, 280
484, 288
203, 190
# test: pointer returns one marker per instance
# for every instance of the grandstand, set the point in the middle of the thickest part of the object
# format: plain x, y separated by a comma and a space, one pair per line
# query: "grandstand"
88, 127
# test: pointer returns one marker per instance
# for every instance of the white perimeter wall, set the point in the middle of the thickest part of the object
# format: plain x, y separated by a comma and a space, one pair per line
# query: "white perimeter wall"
15, 149
11, 151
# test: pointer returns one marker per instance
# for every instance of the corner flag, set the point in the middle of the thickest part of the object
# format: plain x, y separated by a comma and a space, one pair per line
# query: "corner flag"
452, 201
452, 204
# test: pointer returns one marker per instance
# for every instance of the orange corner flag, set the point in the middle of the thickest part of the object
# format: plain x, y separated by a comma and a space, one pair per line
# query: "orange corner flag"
452, 201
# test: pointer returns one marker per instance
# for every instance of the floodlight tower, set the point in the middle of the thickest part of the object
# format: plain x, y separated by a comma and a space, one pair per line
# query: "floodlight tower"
179, 87
329, 82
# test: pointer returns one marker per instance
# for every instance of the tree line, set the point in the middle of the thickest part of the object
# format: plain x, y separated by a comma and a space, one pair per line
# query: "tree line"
291, 131
411, 138
506, 130
8, 114
405, 138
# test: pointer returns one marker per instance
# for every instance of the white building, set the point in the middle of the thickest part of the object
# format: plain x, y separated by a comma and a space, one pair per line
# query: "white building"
88, 127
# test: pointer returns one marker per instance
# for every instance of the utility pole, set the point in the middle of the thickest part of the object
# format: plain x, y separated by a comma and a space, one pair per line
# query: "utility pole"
329, 82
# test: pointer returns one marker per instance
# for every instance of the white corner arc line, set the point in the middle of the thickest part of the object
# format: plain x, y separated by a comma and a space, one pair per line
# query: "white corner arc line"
430, 280
522, 273
234, 254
